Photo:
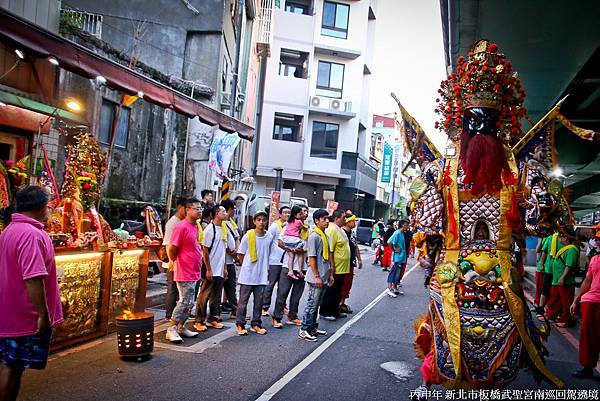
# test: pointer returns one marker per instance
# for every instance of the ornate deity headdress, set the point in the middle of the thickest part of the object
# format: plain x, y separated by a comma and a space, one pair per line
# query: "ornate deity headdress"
484, 79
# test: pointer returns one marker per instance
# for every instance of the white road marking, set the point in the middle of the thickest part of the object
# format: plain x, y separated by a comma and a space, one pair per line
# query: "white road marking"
200, 347
296, 370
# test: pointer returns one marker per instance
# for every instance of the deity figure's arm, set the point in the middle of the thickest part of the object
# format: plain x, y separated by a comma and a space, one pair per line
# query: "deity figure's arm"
427, 201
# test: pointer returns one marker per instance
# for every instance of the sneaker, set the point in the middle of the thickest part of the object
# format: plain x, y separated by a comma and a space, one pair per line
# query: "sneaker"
265, 312
305, 335
241, 331
277, 324
200, 327
185, 332
391, 293
173, 335
293, 322
398, 292
215, 325
330, 318
317, 332
258, 330
585, 373
345, 309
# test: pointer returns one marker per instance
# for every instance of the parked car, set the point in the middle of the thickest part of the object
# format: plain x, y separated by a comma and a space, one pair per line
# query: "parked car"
364, 230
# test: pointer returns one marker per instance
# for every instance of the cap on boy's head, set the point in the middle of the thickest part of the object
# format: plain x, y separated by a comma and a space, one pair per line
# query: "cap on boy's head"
261, 213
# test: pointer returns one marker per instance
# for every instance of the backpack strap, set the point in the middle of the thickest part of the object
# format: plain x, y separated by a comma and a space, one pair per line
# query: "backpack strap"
564, 249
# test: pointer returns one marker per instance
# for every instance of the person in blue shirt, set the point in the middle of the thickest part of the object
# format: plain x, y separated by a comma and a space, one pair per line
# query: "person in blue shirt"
399, 257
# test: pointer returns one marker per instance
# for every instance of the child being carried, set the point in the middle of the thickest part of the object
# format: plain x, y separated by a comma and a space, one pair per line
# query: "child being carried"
294, 244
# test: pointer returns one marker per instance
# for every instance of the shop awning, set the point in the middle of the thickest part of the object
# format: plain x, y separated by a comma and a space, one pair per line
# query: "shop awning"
37, 41
42, 111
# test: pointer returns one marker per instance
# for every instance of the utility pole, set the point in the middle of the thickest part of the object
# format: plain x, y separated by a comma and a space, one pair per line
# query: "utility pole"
393, 207
238, 52
235, 79
278, 178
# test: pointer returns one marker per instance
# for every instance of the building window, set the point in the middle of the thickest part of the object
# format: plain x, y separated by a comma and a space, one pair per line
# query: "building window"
287, 127
298, 7
293, 63
107, 118
335, 20
330, 79
324, 140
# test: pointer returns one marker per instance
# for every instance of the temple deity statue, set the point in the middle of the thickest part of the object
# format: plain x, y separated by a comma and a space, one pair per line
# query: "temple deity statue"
470, 210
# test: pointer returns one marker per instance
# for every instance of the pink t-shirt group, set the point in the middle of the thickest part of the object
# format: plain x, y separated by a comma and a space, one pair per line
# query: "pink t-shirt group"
189, 252
593, 295
26, 252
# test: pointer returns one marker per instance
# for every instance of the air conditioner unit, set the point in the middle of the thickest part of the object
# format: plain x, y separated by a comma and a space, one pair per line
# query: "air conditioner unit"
316, 101
335, 104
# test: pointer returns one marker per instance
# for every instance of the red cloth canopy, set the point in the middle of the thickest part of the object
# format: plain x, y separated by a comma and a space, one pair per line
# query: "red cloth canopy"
35, 40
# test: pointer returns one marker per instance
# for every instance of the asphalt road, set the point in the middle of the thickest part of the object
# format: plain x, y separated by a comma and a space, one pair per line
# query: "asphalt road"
367, 356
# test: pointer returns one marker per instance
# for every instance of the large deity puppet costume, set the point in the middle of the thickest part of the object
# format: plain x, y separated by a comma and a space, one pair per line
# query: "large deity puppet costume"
468, 210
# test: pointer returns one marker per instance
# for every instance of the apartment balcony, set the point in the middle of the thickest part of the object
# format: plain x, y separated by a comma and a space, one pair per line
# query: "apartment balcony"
363, 174
296, 28
265, 27
87, 22
331, 107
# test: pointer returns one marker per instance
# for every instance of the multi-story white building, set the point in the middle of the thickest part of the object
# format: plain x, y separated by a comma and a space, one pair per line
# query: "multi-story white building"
315, 120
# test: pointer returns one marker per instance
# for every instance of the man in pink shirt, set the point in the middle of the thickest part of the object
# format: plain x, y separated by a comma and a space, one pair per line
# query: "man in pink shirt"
29, 295
185, 249
589, 299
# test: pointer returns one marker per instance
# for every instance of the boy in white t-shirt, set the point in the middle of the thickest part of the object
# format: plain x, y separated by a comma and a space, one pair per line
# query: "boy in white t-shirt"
254, 252
215, 248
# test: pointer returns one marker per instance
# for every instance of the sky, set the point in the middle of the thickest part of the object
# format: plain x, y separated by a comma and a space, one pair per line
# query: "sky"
409, 60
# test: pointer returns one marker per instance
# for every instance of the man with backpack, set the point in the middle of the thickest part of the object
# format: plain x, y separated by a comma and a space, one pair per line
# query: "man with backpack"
217, 244
276, 257
185, 251
230, 283
564, 266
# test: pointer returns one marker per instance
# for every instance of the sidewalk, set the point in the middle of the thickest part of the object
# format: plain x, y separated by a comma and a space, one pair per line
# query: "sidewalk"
570, 334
